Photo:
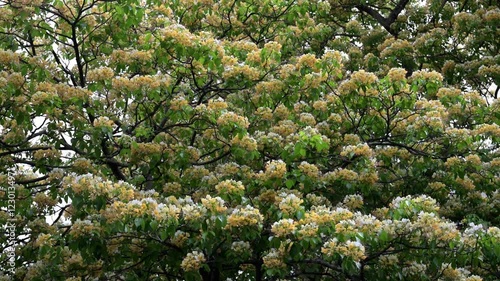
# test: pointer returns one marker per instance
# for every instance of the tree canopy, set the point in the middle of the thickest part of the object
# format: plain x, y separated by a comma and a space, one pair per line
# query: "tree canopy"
250, 140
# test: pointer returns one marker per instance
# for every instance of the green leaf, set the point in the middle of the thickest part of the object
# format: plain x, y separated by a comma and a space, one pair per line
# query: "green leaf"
154, 225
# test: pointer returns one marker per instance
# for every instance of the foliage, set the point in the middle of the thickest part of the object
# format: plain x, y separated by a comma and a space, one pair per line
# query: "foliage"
251, 140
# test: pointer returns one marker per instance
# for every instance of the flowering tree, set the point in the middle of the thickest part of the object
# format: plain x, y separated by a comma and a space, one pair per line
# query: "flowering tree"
249, 140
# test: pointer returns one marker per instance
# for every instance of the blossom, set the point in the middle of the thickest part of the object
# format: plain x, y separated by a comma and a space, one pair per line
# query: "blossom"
246, 216
308, 230
180, 237
230, 187
356, 150
289, 203
99, 74
246, 142
397, 74
231, 118
83, 228
309, 170
285, 128
103, 121
178, 102
241, 247
216, 104
214, 204
167, 212
353, 201
307, 119
193, 261
273, 259
8, 57
281, 112
44, 239
307, 60
283, 227
275, 169
191, 212
414, 268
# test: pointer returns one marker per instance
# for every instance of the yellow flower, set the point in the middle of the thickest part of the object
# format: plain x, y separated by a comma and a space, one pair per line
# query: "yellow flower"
283, 227
180, 237
178, 103
273, 259
289, 203
245, 142
353, 201
275, 169
191, 212
309, 170
307, 60
216, 105
214, 204
230, 187
241, 247
363, 77
193, 261
230, 118
397, 74
99, 74
247, 216
308, 230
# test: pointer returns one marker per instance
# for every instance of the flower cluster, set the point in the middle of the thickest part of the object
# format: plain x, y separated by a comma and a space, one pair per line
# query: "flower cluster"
353, 201
172, 188
434, 228
51, 153
193, 261
283, 227
131, 56
8, 57
413, 205
230, 187
307, 230
140, 82
274, 259
275, 169
41, 97
193, 212
250, 72
322, 215
356, 150
341, 174
246, 216
241, 247
246, 142
363, 78
216, 105
351, 249
103, 121
44, 239
289, 203
309, 170
397, 74
180, 237
414, 269
231, 118
285, 128
83, 228
177, 103
307, 119
100, 74
214, 204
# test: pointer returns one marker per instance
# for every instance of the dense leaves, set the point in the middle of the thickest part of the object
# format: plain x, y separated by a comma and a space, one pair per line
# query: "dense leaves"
250, 140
